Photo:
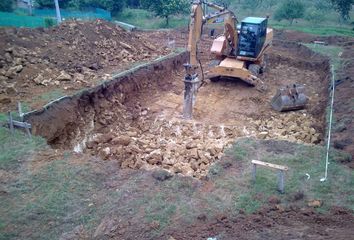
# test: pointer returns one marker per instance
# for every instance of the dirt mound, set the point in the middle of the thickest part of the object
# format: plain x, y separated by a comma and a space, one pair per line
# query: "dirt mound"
67, 57
271, 223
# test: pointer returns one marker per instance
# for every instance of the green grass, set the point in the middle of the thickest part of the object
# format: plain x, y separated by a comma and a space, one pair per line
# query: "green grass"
330, 51
146, 20
316, 30
14, 148
337, 190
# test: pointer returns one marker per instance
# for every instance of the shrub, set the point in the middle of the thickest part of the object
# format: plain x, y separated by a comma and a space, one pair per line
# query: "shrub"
7, 5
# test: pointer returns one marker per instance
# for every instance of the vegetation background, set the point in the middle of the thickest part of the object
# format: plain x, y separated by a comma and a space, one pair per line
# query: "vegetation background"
317, 16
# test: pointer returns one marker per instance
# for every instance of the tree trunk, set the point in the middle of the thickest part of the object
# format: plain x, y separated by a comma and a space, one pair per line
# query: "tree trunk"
291, 22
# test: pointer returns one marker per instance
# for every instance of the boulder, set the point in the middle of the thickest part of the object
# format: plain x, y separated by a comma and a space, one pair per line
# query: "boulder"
122, 140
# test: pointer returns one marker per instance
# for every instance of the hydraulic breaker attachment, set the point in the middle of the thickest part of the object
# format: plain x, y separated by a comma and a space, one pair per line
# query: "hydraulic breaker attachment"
291, 97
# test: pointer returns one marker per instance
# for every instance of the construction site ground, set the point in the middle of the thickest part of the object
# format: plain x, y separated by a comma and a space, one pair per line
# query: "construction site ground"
134, 169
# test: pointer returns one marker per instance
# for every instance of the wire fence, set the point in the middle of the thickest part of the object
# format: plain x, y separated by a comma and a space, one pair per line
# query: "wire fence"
20, 18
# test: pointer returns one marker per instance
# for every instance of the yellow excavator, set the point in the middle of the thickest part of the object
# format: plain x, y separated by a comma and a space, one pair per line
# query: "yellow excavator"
238, 53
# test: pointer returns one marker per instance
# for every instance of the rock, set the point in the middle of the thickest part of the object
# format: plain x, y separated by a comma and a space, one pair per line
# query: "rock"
8, 57
193, 153
39, 79
263, 135
122, 140
161, 175
79, 77
14, 70
105, 138
314, 203
64, 77
155, 157
168, 159
5, 100
187, 170
104, 153
10, 89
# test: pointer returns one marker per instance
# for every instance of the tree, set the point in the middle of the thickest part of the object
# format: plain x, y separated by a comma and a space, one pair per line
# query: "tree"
6, 5
314, 15
290, 10
50, 3
343, 7
166, 8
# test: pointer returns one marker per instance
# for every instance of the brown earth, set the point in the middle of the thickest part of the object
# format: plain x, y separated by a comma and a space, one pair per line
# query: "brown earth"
138, 125
38, 63
343, 103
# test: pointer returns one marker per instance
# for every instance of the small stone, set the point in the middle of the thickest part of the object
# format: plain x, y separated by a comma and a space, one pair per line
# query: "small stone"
122, 140
5, 100
263, 135
314, 203
64, 77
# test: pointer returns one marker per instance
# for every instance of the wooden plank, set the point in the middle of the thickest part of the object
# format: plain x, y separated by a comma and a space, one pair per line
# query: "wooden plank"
270, 165
21, 124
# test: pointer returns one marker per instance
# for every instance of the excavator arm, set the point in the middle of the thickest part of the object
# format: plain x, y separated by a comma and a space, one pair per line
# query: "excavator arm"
198, 19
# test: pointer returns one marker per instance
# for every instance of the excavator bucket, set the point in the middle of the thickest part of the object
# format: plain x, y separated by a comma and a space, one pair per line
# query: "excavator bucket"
291, 97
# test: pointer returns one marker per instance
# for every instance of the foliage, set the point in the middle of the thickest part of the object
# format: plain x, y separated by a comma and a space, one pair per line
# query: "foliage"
50, 3
290, 10
166, 8
49, 22
224, 3
251, 4
314, 16
110, 5
6, 5
343, 7
323, 5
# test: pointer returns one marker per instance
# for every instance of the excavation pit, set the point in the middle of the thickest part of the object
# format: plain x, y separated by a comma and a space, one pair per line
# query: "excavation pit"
135, 118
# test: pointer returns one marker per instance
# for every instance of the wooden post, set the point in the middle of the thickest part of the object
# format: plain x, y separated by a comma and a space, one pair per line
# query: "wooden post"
20, 113
281, 181
280, 172
254, 171
11, 124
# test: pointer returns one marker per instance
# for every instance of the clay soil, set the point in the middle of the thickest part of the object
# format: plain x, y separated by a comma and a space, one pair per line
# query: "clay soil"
135, 133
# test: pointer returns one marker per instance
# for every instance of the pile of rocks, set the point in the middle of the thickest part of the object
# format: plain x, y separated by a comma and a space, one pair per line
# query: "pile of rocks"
293, 126
177, 146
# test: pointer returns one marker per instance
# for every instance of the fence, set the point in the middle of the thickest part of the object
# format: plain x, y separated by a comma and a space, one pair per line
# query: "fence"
19, 18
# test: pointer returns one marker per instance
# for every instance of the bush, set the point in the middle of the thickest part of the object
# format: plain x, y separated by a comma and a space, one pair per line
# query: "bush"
7, 5
49, 22
314, 16
290, 10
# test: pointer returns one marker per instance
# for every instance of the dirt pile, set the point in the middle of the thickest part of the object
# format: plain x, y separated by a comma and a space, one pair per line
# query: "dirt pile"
71, 56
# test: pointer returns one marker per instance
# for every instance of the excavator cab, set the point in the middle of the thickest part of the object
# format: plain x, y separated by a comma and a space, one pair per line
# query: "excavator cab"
252, 36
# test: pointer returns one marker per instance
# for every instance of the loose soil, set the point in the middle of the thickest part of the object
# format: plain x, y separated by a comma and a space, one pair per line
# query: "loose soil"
39, 65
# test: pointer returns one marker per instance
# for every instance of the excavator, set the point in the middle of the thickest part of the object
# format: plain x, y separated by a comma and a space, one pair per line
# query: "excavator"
238, 53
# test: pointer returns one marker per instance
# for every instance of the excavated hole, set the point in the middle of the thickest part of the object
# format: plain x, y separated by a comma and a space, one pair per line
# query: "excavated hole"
138, 121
